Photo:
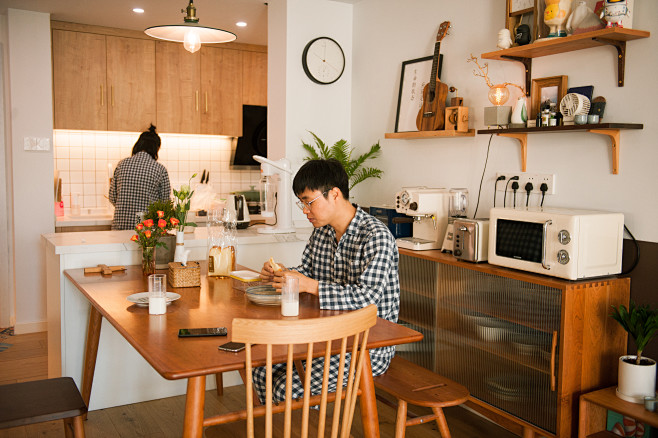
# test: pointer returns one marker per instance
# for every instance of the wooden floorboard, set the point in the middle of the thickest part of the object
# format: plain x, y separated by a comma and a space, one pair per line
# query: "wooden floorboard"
27, 359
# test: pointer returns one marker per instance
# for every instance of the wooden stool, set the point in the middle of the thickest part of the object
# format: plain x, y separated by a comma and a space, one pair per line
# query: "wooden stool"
413, 384
43, 400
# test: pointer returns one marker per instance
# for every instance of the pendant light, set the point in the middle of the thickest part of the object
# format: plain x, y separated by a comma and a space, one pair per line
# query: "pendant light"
190, 33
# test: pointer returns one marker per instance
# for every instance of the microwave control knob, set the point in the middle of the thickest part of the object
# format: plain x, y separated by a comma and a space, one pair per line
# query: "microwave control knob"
562, 257
563, 237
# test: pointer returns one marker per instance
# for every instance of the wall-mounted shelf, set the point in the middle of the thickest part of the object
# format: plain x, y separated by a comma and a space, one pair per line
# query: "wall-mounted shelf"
429, 134
614, 36
609, 129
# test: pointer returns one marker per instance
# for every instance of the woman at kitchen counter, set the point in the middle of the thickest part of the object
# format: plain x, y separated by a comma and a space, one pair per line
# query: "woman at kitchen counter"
138, 180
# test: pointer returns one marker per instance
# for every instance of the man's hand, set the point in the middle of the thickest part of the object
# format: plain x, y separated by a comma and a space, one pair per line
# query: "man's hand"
306, 284
267, 273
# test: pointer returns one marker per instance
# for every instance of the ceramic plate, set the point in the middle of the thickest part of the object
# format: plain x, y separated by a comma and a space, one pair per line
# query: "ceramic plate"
142, 298
264, 295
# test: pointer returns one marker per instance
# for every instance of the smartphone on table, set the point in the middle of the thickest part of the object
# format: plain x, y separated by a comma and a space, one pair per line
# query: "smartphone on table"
233, 347
196, 332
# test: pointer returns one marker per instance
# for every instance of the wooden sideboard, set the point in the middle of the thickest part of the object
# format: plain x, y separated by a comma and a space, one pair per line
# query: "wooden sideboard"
526, 346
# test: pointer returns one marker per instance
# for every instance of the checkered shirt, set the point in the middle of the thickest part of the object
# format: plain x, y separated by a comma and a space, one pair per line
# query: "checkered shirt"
359, 270
138, 181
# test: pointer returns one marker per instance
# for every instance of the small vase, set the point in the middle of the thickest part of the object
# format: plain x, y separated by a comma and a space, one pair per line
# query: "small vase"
148, 260
179, 254
519, 114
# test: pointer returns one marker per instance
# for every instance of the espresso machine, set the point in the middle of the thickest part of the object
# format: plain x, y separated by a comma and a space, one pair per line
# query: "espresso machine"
428, 208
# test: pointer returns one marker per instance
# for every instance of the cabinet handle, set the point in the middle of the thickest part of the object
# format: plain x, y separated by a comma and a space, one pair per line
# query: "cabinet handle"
196, 100
102, 96
553, 352
112, 93
206, 94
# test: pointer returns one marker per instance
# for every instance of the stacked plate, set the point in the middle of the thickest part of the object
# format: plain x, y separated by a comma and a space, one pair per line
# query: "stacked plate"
508, 387
264, 295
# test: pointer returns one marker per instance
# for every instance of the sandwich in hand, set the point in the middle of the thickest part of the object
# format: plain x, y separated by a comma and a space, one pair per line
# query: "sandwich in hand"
275, 266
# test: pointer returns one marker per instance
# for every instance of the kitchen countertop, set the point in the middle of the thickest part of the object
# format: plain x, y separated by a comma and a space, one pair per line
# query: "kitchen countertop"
84, 220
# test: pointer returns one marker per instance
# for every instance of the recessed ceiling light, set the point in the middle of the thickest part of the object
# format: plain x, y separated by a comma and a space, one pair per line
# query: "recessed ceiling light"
138, 10
241, 24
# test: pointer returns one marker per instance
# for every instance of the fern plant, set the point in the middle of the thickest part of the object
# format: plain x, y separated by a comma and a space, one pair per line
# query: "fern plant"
342, 151
641, 322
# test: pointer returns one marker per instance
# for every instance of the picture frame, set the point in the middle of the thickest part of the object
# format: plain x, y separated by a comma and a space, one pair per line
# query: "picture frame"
552, 88
415, 74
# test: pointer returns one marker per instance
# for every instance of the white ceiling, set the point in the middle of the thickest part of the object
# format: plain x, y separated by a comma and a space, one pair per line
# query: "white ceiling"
222, 14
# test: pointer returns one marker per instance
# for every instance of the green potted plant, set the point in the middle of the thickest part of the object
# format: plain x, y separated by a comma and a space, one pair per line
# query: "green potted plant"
342, 152
637, 374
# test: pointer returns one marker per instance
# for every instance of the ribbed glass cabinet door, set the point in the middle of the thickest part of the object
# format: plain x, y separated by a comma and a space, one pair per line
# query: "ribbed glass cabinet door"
499, 337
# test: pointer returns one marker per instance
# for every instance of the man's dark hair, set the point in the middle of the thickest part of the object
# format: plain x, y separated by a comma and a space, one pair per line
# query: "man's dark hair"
322, 175
149, 142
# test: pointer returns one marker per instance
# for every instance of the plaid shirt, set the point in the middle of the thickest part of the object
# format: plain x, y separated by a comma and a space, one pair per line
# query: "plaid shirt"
359, 270
138, 181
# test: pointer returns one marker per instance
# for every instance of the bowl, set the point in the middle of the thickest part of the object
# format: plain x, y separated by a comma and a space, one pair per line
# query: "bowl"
580, 119
592, 118
492, 329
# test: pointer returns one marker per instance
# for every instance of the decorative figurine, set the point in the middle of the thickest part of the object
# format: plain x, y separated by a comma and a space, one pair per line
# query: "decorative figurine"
583, 19
556, 15
522, 35
504, 39
614, 12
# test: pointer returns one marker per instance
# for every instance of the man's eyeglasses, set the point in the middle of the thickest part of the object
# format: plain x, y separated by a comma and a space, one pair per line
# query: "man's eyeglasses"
302, 205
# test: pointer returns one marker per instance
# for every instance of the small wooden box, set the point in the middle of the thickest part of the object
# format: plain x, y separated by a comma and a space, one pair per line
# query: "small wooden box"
184, 276
457, 118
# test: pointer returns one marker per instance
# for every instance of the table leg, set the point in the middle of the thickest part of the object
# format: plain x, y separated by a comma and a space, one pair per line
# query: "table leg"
220, 384
194, 403
368, 401
91, 351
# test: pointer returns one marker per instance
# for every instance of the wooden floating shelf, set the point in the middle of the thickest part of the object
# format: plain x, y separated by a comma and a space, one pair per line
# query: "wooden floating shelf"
614, 36
609, 129
429, 134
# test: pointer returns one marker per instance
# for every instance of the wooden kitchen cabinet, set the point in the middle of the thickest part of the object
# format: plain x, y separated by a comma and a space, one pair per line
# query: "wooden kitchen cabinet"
103, 82
79, 80
254, 78
221, 91
178, 78
525, 345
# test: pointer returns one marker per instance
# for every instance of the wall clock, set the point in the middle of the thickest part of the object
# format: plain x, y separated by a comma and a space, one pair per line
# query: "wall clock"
323, 60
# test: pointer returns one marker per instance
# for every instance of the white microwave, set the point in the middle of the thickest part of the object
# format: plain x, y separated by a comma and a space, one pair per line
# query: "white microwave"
559, 242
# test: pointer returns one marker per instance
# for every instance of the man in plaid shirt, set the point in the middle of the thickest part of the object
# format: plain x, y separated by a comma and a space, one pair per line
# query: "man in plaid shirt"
350, 261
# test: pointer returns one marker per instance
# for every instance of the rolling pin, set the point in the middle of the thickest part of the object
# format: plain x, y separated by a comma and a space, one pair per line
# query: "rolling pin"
104, 269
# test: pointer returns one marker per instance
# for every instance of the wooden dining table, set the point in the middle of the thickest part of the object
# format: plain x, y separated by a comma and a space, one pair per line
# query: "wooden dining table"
214, 304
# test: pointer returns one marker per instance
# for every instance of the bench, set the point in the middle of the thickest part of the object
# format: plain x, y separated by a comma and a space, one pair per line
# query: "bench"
413, 384
27, 403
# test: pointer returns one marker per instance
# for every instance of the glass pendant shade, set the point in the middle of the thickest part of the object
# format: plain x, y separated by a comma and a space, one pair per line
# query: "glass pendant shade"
498, 94
190, 33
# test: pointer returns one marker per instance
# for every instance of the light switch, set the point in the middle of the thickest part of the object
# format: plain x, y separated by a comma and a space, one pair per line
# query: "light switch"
36, 143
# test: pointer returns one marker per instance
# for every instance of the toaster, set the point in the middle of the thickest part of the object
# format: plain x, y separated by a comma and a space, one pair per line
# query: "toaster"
471, 239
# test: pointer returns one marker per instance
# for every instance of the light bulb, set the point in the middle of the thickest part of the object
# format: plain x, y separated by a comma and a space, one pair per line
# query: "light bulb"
192, 42
498, 94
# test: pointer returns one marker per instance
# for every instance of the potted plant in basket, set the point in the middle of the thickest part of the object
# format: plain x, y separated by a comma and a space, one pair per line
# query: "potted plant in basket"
148, 235
637, 374
182, 201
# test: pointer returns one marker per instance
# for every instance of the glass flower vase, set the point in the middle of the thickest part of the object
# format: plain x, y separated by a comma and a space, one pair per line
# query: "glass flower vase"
148, 260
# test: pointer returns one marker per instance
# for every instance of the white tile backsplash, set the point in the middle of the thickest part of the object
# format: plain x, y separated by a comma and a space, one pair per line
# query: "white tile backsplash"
82, 158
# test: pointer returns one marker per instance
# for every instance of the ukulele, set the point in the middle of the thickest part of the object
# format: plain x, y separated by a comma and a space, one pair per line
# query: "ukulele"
432, 112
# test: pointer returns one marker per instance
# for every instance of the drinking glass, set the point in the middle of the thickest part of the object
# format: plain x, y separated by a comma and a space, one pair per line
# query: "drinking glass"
290, 297
157, 294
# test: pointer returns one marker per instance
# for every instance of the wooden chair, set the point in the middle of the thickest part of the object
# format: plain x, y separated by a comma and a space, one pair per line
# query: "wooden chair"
27, 403
353, 325
416, 385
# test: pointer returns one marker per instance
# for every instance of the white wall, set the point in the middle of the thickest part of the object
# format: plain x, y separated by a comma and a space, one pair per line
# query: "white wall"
322, 109
387, 32
30, 98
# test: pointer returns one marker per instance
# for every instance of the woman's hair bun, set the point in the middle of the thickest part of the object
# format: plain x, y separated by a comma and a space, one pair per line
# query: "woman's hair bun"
152, 128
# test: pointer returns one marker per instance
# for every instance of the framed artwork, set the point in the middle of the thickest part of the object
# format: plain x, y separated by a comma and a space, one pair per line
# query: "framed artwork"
545, 91
413, 78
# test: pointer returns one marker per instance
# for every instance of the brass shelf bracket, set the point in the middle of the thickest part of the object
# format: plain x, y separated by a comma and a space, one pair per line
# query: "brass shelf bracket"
527, 63
614, 139
621, 56
522, 137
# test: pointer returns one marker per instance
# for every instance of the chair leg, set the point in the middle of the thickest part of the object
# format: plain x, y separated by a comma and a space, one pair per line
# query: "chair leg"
401, 420
220, 383
68, 428
78, 427
441, 422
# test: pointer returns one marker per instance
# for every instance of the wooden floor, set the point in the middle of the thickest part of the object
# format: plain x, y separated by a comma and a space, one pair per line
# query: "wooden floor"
26, 360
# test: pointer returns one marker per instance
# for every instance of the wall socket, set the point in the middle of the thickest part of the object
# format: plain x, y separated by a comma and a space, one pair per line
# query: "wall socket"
524, 177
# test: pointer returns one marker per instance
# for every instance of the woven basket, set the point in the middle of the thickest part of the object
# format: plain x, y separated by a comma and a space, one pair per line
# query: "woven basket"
184, 276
